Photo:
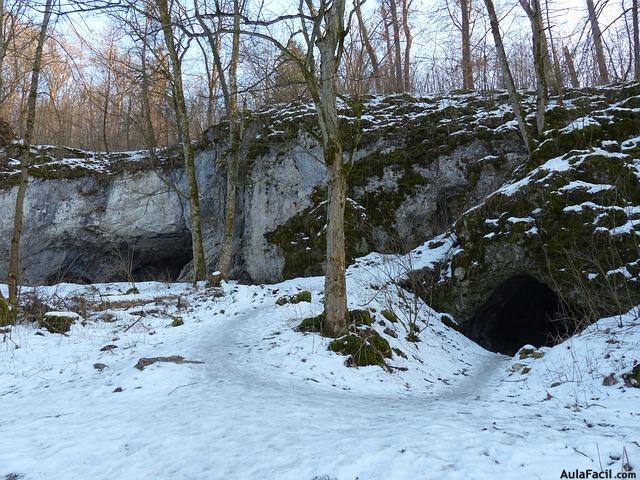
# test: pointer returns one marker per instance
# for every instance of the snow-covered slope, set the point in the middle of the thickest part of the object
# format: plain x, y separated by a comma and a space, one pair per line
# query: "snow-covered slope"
271, 402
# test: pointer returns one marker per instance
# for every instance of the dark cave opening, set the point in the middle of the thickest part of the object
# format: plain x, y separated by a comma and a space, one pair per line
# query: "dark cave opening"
520, 311
154, 258
161, 268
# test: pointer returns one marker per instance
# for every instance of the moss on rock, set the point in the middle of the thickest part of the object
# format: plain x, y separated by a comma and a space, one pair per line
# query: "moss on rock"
303, 296
59, 322
364, 347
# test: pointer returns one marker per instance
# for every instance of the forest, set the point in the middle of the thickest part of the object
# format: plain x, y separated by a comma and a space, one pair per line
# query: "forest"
319, 240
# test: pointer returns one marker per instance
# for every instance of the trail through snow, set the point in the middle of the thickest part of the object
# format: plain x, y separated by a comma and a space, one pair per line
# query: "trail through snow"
272, 403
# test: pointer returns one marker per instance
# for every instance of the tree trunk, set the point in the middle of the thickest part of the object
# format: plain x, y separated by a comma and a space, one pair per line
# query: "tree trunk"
573, 76
235, 139
559, 82
149, 133
636, 40
467, 67
408, 42
514, 98
540, 58
389, 64
25, 159
335, 287
397, 47
199, 263
373, 58
603, 74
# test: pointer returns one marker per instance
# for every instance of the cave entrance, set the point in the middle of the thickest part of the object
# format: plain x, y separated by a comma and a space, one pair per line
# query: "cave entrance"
520, 311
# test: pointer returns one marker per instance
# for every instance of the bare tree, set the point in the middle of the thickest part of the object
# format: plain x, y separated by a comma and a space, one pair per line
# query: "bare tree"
230, 95
541, 61
596, 33
514, 98
636, 39
465, 24
199, 263
25, 158
373, 57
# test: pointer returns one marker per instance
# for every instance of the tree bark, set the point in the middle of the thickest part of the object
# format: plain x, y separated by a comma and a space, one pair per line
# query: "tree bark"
397, 47
467, 67
603, 74
25, 159
540, 58
373, 57
408, 42
199, 263
335, 287
636, 40
514, 98
573, 76
235, 139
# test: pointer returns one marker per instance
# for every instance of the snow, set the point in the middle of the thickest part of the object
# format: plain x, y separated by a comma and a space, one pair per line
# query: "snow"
590, 188
270, 402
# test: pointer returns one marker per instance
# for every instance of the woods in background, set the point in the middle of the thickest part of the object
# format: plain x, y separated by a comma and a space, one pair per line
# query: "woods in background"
111, 89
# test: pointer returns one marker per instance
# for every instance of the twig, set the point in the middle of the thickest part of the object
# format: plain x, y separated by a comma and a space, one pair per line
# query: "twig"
180, 386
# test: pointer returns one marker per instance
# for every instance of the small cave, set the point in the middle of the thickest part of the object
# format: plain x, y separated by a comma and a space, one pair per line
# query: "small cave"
152, 258
520, 311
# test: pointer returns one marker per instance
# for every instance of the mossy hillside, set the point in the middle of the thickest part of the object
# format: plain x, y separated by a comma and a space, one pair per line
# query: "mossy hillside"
575, 229
402, 135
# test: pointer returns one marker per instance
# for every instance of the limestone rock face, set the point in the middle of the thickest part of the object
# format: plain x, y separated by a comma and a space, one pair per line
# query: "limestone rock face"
570, 218
417, 165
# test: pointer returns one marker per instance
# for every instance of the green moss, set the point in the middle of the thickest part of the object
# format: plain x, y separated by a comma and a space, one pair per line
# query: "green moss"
55, 323
360, 317
356, 318
312, 324
303, 296
7, 314
632, 379
390, 315
365, 347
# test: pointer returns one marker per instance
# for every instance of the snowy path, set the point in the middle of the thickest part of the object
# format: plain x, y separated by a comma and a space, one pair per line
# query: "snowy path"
264, 406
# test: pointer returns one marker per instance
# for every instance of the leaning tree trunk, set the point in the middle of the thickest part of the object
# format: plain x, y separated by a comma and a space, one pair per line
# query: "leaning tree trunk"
408, 42
636, 40
373, 57
199, 264
603, 74
573, 75
467, 67
540, 58
25, 159
397, 47
514, 98
235, 139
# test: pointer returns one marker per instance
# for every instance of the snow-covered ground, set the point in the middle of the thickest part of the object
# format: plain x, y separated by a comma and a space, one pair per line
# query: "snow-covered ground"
272, 403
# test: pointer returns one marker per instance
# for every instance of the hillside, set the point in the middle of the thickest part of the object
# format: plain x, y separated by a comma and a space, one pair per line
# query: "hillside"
266, 401
495, 308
